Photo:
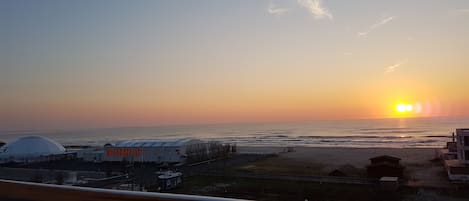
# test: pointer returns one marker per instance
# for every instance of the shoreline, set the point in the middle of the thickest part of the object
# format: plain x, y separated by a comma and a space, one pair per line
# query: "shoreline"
338, 147
72, 145
283, 149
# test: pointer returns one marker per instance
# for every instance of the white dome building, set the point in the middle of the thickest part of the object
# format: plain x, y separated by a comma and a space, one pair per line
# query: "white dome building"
29, 149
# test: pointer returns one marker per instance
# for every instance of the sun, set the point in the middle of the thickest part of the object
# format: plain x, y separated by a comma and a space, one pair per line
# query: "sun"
404, 108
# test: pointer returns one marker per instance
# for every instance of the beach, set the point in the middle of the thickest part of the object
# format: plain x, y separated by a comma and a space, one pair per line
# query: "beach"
296, 173
420, 168
287, 172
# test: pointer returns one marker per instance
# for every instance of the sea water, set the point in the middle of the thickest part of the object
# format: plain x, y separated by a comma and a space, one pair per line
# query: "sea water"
395, 133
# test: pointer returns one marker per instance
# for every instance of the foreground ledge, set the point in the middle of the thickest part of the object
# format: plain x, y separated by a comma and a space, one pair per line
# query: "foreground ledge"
25, 191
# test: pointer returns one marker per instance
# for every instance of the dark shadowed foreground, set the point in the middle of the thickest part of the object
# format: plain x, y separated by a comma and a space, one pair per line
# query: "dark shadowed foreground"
26, 191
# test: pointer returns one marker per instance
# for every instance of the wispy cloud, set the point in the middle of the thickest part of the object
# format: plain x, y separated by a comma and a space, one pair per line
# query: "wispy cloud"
394, 67
275, 10
463, 11
382, 22
316, 9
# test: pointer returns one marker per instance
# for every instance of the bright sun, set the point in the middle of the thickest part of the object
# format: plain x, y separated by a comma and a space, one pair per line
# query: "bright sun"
404, 108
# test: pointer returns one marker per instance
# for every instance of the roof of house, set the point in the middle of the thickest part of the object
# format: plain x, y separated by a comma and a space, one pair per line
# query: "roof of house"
336, 172
158, 142
389, 179
169, 175
455, 163
387, 157
384, 164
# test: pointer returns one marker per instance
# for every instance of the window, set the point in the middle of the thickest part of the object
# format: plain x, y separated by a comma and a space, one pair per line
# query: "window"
466, 140
466, 155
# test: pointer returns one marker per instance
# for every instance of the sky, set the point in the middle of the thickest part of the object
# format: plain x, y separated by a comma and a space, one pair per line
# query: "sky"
88, 64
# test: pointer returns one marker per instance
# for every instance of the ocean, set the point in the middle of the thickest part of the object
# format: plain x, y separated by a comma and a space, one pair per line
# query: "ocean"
392, 133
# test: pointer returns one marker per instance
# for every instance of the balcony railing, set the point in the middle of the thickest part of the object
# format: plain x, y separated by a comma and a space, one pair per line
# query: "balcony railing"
25, 191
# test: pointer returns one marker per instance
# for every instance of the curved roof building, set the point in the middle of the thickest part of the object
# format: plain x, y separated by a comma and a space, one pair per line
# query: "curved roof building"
30, 148
158, 142
155, 150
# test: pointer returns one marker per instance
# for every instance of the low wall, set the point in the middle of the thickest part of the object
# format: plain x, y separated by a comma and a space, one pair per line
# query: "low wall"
26, 191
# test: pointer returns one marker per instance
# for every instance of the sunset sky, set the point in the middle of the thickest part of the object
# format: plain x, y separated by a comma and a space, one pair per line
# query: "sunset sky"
86, 64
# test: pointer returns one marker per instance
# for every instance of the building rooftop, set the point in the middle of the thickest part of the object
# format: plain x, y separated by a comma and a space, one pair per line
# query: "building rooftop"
446, 151
157, 142
386, 157
389, 179
31, 146
455, 163
168, 175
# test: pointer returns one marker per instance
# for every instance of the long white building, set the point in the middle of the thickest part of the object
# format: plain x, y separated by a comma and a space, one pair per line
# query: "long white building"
158, 151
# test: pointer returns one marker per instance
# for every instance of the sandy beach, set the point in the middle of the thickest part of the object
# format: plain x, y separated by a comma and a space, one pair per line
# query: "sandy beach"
419, 167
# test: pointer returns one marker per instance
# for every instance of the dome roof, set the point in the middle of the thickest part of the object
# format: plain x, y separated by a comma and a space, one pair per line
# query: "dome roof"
31, 146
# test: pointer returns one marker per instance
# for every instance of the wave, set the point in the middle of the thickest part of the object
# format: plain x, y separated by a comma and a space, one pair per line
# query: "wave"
274, 136
378, 129
355, 136
438, 136
275, 132
393, 131
426, 141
